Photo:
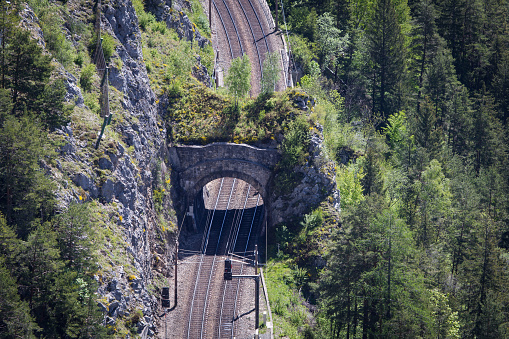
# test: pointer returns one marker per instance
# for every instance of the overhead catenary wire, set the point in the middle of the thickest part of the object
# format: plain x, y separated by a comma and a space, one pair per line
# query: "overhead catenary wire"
288, 38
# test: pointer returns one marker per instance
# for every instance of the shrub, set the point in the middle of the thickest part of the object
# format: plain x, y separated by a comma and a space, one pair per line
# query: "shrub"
295, 144
109, 44
86, 77
80, 58
159, 26
203, 24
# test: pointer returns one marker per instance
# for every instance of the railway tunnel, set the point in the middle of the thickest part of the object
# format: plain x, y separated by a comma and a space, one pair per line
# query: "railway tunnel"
199, 165
227, 185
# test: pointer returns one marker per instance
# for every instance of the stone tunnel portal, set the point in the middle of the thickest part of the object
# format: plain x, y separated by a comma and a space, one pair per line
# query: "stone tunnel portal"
199, 165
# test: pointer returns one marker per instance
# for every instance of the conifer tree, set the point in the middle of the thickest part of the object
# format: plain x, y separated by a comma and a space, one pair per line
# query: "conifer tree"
15, 319
386, 47
26, 191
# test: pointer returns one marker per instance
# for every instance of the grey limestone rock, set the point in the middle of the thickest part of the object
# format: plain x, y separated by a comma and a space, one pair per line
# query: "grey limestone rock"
317, 183
107, 190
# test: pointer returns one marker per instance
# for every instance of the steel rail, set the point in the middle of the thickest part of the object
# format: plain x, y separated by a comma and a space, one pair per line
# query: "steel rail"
232, 243
233, 23
204, 240
225, 30
254, 38
242, 265
214, 259
261, 26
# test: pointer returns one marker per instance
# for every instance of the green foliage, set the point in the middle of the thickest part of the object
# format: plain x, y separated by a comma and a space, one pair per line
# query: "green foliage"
199, 18
27, 74
294, 146
331, 42
434, 201
349, 180
271, 72
386, 45
108, 44
303, 21
5, 103
288, 312
144, 19
15, 318
238, 79
27, 192
86, 77
395, 130
50, 300
80, 59
50, 17
169, 61
303, 51
76, 237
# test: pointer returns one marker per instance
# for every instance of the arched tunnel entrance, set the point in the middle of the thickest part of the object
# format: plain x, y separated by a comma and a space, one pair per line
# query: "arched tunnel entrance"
226, 189
230, 204
228, 214
197, 166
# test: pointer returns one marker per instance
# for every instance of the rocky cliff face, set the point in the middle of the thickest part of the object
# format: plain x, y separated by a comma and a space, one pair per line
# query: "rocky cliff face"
317, 183
119, 178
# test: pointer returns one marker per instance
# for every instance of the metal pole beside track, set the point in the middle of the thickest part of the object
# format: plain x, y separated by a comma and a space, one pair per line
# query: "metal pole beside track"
257, 291
176, 260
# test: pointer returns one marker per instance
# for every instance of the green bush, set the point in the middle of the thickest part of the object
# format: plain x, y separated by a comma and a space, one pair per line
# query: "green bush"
144, 19
295, 144
80, 58
86, 77
303, 51
109, 44
159, 26
203, 24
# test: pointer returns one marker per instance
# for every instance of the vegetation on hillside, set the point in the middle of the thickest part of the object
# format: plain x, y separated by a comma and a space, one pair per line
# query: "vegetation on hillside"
413, 98
413, 103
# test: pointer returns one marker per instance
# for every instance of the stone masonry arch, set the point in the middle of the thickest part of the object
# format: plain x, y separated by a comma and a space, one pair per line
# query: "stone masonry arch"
198, 165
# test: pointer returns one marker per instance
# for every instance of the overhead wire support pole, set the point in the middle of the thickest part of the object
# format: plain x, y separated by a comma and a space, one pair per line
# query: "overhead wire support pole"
257, 291
210, 15
256, 277
176, 260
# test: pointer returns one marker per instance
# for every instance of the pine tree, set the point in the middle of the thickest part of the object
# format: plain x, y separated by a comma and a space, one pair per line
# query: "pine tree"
76, 237
15, 319
27, 192
8, 22
386, 47
424, 44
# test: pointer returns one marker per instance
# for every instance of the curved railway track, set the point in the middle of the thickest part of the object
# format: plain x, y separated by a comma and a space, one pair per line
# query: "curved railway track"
228, 24
250, 34
213, 300
257, 32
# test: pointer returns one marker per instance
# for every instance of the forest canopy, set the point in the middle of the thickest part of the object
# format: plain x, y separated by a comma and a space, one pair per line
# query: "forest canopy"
413, 96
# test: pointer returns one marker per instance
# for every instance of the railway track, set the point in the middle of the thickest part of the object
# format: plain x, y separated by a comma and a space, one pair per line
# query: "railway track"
257, 32
227, 230
241, 243
245, 32
228, 24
